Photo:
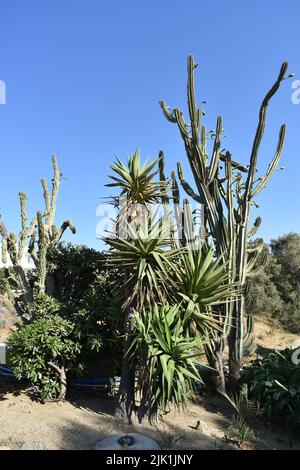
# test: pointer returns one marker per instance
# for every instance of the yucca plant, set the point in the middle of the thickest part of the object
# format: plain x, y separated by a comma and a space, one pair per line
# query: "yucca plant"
136, 180
149, 261
167, 357
141, 254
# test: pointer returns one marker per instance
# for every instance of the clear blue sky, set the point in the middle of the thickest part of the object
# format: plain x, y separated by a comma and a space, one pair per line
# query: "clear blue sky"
84, 79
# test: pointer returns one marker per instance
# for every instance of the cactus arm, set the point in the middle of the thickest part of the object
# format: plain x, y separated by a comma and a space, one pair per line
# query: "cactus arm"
263, 259
31, 248
166, 112
255, 227
190, 192
261, 128
66, 224
55, 188
195, 114
162, 178
4, 235
47, 198
255, 253
214, 165
177, 208
161, 166
191, 90
249, 345
32, 227
222, 191
4, 250
235, 165
3, 231
256, 248
181, 124
273, 165
24, 230
12, 248
203, 141
188, 223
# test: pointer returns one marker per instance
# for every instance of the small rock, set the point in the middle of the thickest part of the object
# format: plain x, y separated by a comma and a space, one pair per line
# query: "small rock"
202, 427
140, 442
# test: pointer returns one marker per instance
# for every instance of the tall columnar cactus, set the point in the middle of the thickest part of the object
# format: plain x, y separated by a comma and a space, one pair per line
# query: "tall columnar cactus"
226, 189
15, 247
36, 237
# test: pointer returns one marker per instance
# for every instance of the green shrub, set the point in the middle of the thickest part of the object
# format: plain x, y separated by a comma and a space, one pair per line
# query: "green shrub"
44, 305
275, 292
4, 284
43, 351
274, 382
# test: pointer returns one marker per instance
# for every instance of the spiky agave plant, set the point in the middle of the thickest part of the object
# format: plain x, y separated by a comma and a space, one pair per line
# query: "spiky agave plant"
167, 357
202, 281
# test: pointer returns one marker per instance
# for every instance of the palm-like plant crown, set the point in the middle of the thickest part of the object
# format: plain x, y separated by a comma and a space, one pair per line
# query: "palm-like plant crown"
149, 262
136, 180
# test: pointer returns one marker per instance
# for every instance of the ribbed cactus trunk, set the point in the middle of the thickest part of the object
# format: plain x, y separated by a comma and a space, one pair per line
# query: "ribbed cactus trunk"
227, 198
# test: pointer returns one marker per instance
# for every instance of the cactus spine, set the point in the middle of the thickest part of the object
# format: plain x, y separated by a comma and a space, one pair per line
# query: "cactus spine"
227, 197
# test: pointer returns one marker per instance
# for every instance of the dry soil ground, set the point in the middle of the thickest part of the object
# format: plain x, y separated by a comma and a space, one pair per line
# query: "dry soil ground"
84, 419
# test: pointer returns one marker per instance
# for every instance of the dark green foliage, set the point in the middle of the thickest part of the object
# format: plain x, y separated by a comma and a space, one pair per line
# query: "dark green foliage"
286, 252
73, 269
88, 316
85, 289
275, 292
42, 350
4, 284
274, 382
44, 305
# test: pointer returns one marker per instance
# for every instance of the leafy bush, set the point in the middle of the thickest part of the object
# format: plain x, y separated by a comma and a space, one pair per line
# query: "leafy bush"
82, 292
274, 382
73, 269
43, 351
4, 284
44, 305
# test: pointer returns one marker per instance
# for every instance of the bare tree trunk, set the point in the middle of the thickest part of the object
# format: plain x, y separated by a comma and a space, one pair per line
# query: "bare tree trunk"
63, 384
216, 361
126, 395
62, 373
